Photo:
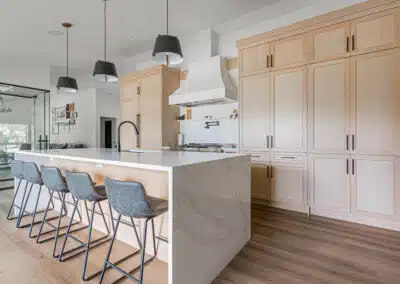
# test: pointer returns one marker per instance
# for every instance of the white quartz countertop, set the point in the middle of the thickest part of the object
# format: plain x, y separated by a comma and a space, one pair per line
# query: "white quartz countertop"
157, 160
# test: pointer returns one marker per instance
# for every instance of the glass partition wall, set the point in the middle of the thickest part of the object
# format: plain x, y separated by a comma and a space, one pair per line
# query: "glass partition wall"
24, 124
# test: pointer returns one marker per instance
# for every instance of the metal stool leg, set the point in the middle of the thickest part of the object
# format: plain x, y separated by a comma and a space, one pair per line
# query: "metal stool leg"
68, 229
23, 205
143, 252
34, 213
13, 202
88, 242
44, 218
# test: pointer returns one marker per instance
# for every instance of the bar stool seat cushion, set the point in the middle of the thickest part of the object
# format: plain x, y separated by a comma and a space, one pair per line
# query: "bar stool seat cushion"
32, 173
158, 205
17, 169
100, 192
53, 179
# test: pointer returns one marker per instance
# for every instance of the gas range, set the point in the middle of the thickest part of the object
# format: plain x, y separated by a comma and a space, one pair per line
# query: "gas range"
202, 147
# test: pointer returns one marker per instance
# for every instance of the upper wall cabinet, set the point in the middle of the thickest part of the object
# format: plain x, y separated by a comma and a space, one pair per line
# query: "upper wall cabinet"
289, 52
254, 59
375, 32
331, 42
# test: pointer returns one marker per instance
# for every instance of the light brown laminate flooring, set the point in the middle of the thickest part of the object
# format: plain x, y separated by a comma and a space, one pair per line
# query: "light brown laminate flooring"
285, 248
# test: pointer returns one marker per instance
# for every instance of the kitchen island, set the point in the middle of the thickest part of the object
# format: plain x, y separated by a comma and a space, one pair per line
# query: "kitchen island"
209, 197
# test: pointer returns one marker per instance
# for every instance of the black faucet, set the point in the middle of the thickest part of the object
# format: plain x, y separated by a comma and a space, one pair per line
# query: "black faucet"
119, 132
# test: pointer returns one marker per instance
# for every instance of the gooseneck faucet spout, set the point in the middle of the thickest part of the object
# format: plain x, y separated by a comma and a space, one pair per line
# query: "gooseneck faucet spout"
119, 132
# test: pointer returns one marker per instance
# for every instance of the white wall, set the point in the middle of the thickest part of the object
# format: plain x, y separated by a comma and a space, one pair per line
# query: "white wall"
107, 105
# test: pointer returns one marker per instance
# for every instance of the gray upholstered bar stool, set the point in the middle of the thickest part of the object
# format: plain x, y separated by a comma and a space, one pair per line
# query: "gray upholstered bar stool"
17, 171
56, 183
130, 199
33, 177
82, 188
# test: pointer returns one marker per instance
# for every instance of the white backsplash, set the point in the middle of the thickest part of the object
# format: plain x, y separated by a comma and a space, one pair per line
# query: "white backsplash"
226, 133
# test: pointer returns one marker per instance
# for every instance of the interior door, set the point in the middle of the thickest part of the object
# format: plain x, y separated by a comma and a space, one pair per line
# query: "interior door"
374, 185
289, 109
255, 111
329, 107
254, 59
375, 32
290, 52
260, 182
331, 42
329, 183
375, 101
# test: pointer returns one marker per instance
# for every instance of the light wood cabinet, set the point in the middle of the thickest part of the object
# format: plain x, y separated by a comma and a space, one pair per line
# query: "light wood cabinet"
375, 186
289, 52
329, 183
329, 107
144, 101
255, 111
331, 42
254, 59
374, 103
375, 32
260, 182
289, 110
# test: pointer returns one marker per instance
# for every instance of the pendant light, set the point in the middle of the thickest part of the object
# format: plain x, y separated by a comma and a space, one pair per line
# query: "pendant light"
67, 84
167, 48
105, 71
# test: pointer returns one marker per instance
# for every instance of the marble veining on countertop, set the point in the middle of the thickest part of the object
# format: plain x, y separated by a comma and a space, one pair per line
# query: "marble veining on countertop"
148, 159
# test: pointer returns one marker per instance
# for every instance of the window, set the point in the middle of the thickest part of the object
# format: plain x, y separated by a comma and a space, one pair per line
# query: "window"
13, 135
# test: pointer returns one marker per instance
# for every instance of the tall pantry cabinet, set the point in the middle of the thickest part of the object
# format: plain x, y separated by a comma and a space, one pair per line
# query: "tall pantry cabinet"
320, 114
144, 101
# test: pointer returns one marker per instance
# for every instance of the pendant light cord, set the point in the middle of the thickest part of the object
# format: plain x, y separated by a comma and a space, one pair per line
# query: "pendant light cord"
105, 30
67, 52
167, 17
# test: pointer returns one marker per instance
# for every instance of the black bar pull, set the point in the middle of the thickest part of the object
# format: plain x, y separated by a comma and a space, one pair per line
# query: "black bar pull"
272, 141
272, 61
267, 60
347, 166
353, 42
353, 167
267, 171
347, 142
267, 141
347, 44
272, 172
353, 146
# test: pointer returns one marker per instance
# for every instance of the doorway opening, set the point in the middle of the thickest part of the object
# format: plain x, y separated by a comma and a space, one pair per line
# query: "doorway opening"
108, 132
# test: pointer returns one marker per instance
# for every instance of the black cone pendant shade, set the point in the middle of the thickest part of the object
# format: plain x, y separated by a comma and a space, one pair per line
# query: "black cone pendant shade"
105, 71
167, 48
66, 84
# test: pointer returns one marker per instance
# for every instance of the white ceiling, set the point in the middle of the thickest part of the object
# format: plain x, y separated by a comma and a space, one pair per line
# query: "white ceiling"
132, 25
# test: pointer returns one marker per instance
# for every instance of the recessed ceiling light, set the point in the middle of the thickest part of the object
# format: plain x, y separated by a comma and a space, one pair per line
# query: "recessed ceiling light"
55, 33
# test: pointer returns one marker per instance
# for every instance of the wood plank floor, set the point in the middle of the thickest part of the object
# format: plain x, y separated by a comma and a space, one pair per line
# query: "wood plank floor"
285, 248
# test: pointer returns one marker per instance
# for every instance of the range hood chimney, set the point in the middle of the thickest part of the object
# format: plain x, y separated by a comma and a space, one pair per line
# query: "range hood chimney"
208, 82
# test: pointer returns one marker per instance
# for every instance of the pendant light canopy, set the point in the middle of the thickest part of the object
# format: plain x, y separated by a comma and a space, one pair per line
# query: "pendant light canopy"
105, 71
65, 83
167, 48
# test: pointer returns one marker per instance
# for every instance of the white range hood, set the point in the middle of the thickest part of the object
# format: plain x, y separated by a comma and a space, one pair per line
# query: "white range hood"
207, 83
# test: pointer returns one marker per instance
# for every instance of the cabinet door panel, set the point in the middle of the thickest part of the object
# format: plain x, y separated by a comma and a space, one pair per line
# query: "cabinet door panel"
129, 110
375, 101
329, 106
151, 112
329, 183
260, 183
376, 32
374, 185
290, 52
254, 59
129, 90
255, 111
331, 42
287, 184
289, 110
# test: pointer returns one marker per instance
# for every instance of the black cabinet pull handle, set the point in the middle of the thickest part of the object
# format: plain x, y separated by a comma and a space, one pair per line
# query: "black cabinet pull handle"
347, 44
272, 172
352, 167
272, 141
352, 142
272, 61
267, 61
353, 42
267, 171
267, 141
347, 166
347, 142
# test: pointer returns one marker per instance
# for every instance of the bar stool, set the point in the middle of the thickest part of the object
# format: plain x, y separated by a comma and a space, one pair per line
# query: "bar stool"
33, 176
17, 172
56, 183
130, 199
82, 188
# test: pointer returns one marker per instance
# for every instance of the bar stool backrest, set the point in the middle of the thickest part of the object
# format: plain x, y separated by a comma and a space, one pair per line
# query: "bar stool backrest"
32, 173
128, 198
53, 179
81, 185
17, 169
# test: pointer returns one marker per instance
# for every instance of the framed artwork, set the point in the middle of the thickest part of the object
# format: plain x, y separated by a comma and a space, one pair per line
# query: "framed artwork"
64, 115
55, 128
